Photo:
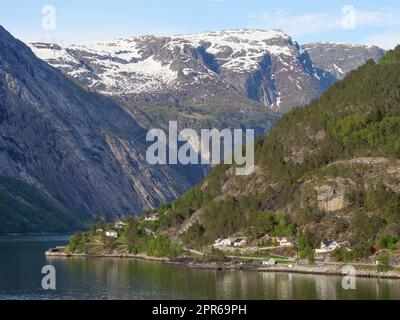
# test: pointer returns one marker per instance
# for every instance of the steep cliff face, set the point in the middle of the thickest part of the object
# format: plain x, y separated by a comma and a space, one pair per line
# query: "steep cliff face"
331, 198
340, 59
79, 149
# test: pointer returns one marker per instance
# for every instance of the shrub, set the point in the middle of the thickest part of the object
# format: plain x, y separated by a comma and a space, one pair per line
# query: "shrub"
384, 263
215, 255
388, 242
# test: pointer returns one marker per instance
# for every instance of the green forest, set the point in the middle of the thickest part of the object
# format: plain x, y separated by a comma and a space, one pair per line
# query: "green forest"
25, 210
357, 117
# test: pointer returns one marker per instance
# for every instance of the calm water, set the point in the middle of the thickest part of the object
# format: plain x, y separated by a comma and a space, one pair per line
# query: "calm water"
22, 258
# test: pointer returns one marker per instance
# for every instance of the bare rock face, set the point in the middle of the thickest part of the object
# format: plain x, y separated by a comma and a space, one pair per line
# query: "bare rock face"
331, 198
340, 59
265, 66
80, 149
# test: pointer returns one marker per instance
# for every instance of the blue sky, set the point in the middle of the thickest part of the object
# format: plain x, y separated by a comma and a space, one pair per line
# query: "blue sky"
376, 22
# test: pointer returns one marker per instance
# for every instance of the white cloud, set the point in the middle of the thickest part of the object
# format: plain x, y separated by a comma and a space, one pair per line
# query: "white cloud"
299, 25
216, 3
295, 25
384, 40
385, 18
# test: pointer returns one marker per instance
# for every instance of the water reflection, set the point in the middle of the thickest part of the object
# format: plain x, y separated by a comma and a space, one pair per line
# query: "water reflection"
94, 278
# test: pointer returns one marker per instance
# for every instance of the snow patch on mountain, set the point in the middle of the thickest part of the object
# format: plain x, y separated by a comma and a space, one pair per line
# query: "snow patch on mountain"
245, 48
256, 64
126, 66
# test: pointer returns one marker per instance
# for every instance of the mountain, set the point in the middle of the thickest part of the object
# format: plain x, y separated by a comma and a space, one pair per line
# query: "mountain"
340, 59
70, 152
72, 148
220, 69
23, 208
329, 170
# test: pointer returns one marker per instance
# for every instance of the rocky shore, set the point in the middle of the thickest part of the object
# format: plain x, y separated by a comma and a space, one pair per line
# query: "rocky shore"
190, 262
105, 255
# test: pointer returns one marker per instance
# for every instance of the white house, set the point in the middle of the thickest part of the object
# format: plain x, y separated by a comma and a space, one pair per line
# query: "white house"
112, 234
285, 242
151, 217
327, 246
223, 242
120, 224
270, 262
238, 242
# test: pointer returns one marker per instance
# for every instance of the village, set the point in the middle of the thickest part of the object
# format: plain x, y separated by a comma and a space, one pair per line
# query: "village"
267, 250
266, 253
283, 248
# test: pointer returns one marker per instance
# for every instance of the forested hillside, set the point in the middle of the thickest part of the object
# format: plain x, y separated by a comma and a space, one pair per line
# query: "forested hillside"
327, 170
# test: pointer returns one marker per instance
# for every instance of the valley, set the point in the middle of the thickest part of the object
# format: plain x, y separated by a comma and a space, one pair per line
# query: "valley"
237, 79
325, 184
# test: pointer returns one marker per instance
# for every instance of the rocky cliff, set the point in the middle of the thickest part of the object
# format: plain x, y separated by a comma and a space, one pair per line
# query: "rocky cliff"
340, 59
80, 150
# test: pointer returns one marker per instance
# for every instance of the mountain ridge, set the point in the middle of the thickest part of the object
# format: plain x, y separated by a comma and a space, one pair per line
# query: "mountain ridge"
265, 66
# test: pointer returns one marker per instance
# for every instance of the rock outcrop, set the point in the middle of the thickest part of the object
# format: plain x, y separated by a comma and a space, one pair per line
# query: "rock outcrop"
331, 198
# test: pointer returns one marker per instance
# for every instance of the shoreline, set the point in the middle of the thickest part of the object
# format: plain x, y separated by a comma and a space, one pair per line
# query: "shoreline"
186, 262
32, 234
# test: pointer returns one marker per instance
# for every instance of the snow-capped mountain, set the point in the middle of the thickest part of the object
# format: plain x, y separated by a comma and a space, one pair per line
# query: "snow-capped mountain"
340, 59
266, 66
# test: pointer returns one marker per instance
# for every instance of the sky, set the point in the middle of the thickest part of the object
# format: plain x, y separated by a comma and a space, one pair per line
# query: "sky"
79, 21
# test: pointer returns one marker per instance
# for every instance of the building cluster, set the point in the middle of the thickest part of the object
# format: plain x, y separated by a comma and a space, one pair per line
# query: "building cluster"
236, 242
326, 246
